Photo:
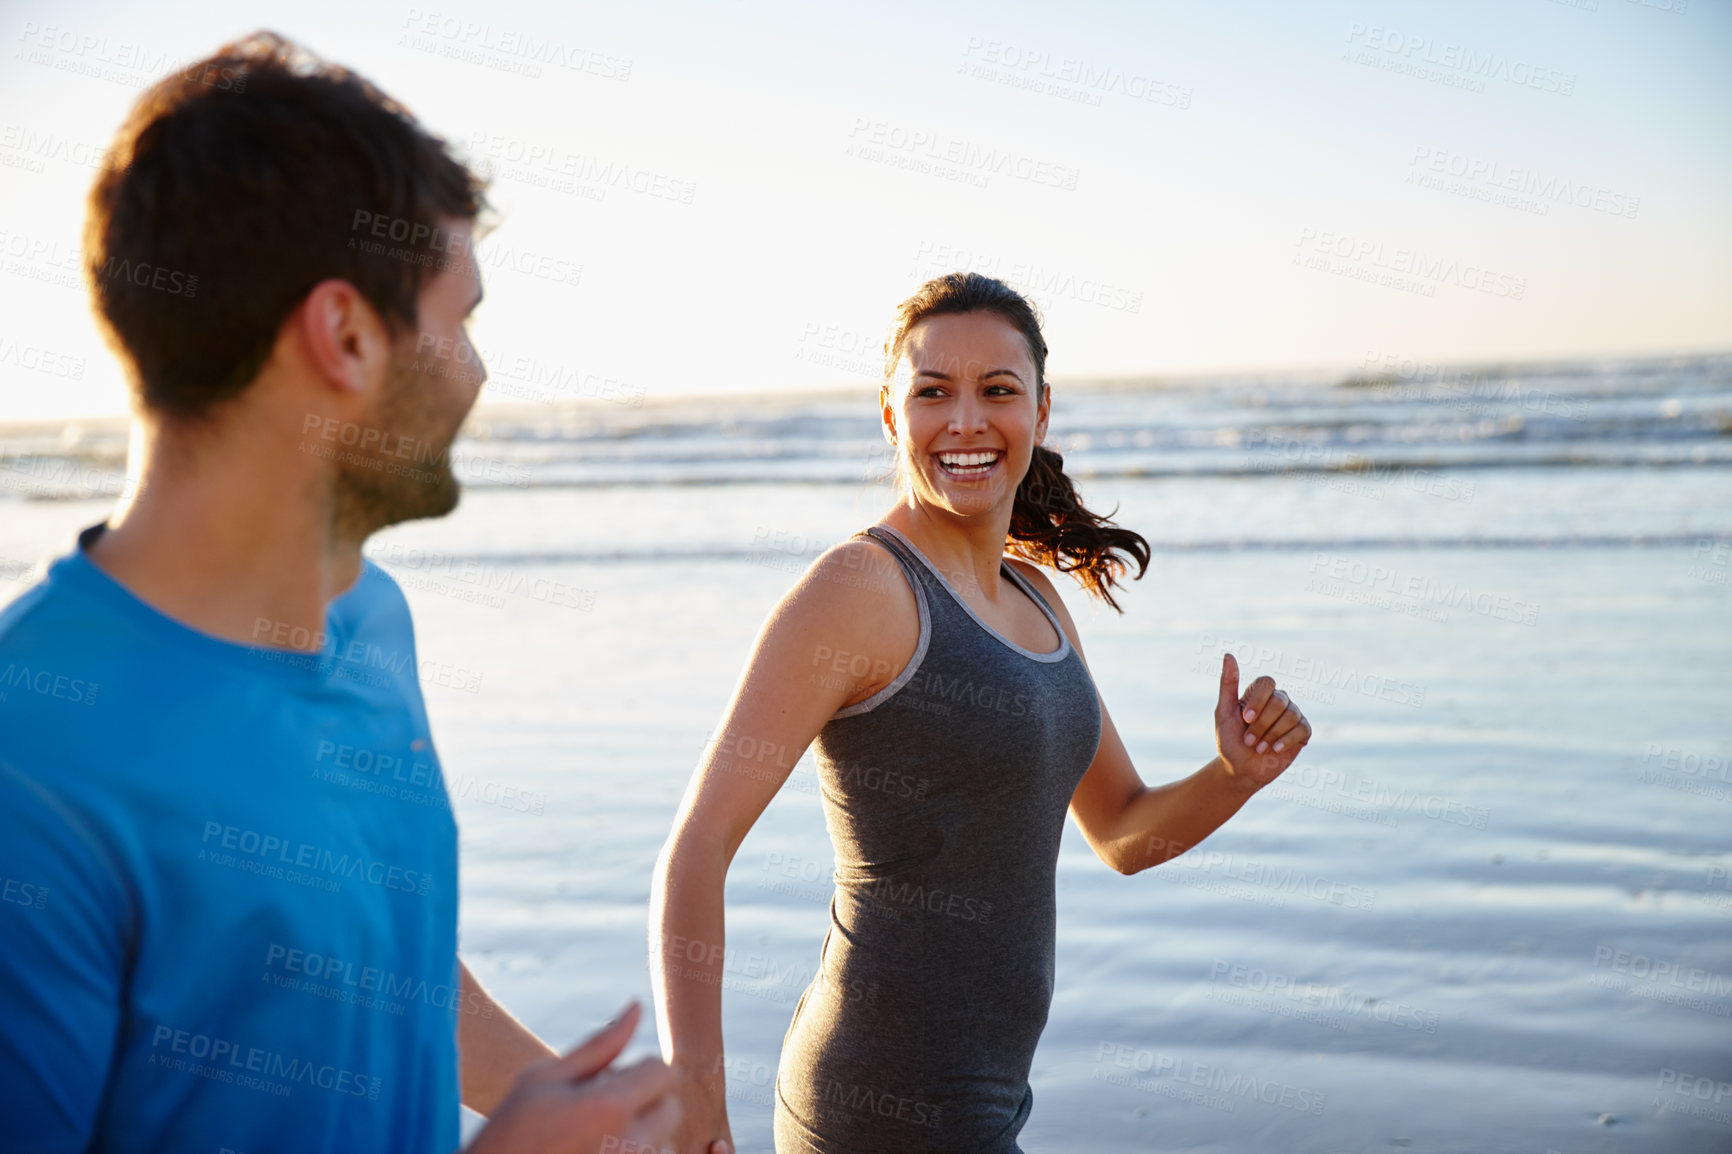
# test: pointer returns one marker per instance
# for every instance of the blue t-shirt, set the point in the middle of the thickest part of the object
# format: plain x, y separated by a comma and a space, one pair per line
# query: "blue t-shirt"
228, 882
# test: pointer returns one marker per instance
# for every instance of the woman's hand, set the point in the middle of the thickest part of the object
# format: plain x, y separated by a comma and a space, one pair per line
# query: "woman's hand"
1259, 734
703, 1125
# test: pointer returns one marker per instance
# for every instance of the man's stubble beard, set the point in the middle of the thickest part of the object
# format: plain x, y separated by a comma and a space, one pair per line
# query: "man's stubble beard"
380, 486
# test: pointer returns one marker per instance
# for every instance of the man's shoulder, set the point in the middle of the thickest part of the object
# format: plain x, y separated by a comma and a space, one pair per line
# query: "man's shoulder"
54, 599
375, 602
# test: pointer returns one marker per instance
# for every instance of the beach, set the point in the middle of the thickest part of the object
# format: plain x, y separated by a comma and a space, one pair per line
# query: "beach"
1489, 909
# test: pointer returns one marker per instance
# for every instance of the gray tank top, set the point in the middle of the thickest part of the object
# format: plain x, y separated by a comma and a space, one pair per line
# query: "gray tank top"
945, 794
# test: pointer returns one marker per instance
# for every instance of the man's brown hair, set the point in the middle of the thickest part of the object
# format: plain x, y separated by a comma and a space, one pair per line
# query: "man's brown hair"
235, 186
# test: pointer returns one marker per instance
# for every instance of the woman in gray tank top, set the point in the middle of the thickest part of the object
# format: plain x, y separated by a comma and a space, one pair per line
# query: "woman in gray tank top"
954, 722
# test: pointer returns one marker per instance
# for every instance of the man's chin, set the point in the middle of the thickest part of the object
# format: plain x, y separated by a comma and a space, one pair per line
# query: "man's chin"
370, 502
439, 501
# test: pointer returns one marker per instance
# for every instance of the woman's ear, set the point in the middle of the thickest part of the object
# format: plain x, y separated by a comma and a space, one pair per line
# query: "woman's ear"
1043, 409
887, 413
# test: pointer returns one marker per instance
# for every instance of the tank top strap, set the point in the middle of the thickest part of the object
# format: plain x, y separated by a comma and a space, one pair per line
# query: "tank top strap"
917, 578
917, 573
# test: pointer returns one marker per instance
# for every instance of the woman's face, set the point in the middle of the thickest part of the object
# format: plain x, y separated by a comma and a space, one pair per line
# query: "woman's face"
963, 411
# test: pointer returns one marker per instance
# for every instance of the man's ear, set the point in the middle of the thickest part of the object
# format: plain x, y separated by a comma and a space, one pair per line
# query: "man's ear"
345, 339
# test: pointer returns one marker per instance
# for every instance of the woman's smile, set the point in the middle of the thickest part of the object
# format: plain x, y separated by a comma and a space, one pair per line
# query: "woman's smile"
968, 464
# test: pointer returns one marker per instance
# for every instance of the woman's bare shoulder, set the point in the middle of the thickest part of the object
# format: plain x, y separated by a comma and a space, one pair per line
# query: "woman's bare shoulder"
854, 608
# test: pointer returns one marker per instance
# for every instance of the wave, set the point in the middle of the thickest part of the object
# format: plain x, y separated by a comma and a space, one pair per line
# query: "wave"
1398, 417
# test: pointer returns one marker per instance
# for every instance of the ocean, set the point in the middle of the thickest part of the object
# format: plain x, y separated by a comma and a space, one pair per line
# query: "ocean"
1488, 910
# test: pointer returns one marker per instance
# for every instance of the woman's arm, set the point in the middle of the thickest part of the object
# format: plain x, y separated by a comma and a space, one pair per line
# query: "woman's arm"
1132, 826
834, 639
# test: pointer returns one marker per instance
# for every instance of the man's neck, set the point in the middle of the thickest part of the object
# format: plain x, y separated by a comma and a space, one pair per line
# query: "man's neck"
231, 542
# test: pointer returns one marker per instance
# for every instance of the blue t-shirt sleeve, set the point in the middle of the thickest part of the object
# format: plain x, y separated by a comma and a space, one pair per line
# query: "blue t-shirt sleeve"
64, 928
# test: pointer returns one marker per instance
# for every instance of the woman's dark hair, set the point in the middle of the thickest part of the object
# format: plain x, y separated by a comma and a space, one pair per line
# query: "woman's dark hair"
238, 183
1048, 523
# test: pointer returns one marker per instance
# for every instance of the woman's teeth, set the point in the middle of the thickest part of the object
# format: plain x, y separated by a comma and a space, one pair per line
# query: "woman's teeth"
967, 464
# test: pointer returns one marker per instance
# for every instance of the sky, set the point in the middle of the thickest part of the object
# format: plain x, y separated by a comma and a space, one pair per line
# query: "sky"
734, 196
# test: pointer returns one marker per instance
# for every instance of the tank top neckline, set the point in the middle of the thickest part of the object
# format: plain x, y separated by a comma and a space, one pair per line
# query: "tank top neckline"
1017, 579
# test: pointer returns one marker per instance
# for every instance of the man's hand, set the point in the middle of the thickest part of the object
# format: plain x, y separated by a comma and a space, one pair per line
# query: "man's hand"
1259, 734
575, 1104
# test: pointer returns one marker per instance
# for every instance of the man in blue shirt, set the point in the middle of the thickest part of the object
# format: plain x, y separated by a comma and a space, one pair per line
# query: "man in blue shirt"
218, 932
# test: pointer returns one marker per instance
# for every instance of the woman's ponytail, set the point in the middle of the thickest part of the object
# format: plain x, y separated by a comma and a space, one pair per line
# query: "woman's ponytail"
1050, 526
